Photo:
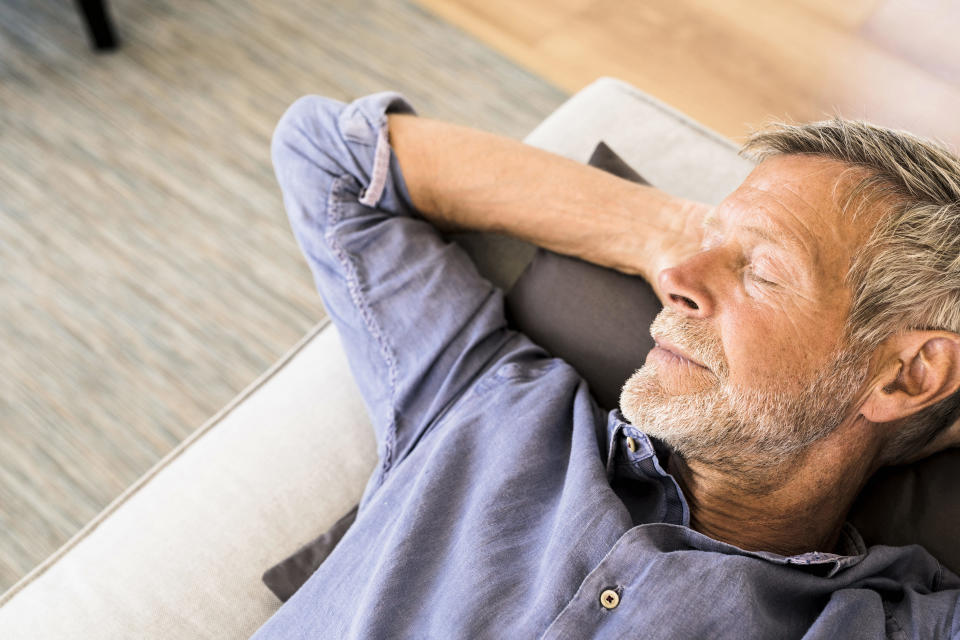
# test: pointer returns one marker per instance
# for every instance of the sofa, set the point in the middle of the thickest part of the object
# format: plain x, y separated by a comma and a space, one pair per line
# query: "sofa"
181, 553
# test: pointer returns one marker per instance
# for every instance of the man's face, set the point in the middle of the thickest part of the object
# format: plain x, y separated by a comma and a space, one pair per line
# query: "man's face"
762, 307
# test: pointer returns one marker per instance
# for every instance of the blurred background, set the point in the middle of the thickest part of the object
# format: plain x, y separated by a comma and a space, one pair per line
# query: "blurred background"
147, 270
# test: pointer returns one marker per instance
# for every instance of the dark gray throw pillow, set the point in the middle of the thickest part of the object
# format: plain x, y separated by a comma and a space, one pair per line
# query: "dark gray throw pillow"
598, 320
284, 578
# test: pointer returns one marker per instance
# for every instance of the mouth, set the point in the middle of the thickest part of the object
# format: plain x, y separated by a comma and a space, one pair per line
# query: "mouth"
676, 352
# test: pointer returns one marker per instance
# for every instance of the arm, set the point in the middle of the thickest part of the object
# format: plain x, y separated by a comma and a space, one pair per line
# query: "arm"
460, 178
419, 325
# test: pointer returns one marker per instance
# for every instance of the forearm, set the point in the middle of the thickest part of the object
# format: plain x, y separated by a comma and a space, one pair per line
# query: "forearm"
462, 178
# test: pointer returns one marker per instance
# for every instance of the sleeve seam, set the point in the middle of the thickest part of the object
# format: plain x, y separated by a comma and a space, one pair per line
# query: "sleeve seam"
387, 351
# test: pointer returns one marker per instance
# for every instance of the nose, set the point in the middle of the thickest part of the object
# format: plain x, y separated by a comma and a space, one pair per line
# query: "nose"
684, 289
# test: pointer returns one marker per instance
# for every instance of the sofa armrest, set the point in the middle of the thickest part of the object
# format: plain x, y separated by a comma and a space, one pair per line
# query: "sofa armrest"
180, 553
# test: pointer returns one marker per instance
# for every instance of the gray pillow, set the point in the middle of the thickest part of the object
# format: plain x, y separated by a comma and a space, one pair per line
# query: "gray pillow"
914, 504
284, 578
597, 319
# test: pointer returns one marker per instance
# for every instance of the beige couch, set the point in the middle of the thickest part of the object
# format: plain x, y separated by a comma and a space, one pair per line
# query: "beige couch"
180, 553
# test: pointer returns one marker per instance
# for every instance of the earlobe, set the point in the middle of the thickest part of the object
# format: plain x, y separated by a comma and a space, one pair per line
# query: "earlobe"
915, 370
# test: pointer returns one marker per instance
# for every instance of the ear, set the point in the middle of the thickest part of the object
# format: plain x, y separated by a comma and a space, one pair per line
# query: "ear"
912, 371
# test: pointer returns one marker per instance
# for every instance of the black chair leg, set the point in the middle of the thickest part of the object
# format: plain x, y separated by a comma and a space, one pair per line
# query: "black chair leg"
98, 24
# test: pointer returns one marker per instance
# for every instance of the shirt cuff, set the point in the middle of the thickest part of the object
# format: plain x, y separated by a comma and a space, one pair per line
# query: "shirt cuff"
364, 121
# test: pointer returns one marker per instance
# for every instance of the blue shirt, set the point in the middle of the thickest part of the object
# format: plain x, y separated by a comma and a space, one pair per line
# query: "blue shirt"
507, 504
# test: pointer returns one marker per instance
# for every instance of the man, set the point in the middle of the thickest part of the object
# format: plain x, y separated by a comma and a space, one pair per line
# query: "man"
811, 333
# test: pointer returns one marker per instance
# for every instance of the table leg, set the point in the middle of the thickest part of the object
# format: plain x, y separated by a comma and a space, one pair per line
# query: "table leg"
98, 23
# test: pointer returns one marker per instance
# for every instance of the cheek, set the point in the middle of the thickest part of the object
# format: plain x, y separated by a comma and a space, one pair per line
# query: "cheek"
765, 349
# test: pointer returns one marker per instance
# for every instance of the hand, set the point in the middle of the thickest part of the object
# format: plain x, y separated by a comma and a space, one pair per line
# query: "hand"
680, 239
685, 237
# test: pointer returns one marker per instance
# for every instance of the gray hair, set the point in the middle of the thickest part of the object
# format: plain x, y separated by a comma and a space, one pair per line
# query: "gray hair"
906, 276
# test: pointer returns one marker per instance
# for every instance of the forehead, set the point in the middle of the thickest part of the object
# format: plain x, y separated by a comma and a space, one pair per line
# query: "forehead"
799, 199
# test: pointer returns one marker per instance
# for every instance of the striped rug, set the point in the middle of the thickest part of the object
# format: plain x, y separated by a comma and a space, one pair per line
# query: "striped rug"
147, 272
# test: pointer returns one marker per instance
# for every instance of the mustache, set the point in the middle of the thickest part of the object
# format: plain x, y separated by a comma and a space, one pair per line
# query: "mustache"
694, 337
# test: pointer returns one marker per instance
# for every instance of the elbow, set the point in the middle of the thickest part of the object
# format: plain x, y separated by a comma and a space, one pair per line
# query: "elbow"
306, 138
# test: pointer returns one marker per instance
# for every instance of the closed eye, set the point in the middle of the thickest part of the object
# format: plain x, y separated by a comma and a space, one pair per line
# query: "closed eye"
756, 277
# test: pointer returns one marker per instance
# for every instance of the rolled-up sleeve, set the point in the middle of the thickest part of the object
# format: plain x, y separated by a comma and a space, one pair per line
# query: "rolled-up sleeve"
417, 321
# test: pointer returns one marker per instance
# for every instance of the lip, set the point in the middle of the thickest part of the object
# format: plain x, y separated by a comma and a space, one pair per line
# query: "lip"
666, 345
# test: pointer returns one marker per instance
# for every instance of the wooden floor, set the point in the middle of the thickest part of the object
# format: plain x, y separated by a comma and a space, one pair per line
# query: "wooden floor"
733, 64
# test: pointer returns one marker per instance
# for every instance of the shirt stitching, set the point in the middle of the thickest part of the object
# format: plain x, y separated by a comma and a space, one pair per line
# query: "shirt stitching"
387, 351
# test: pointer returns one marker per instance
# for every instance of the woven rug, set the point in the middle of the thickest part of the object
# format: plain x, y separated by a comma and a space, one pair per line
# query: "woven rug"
147, 271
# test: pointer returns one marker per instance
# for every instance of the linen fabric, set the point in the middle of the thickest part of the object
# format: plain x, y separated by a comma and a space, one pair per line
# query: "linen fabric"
506, 502
583, 313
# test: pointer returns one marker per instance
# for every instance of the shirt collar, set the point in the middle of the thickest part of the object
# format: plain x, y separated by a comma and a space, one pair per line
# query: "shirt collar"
851, 548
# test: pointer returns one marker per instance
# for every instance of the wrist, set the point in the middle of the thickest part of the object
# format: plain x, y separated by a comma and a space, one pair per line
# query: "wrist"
671, 233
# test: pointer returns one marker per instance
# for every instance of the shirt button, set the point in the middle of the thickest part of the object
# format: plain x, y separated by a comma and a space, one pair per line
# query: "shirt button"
609, 599
632, 445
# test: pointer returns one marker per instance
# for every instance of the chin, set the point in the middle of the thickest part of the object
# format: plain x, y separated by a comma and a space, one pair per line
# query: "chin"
737, 429
709, 425
637, 393
672, 418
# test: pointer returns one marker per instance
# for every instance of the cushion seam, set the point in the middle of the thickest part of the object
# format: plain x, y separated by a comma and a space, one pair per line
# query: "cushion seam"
668, 111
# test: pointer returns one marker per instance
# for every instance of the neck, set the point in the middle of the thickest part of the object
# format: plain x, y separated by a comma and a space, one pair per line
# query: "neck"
799, 508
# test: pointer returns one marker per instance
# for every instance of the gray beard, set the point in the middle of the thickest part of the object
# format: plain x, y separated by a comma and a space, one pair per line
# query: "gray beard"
739, 431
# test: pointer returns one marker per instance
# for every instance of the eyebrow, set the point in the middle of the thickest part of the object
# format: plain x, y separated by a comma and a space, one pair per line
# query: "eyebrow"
785, 240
